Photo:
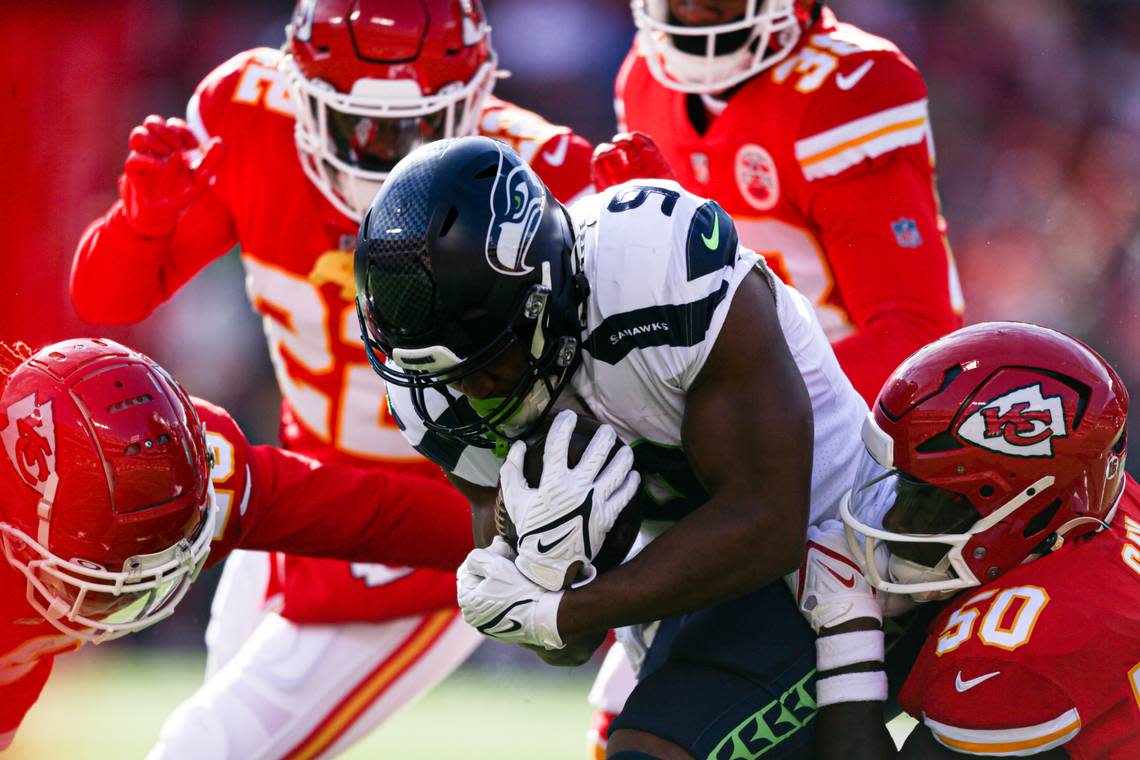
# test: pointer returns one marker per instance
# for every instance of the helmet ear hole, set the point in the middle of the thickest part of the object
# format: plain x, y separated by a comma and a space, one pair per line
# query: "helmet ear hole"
1042, 518
452, 215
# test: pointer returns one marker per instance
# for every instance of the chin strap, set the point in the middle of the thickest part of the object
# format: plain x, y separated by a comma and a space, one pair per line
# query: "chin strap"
1058, 537
43, 509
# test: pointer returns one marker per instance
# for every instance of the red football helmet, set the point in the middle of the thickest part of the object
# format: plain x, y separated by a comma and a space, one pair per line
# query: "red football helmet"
991, 446
713, 57
374, 79
107, 508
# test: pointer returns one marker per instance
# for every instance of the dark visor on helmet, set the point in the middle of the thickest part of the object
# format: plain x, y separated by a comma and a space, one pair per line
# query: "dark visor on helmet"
377, 144
488, 427
923, 509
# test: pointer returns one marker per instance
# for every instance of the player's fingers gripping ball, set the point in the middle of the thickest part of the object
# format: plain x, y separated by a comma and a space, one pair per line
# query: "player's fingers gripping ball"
631, 155
569, 501
499, 601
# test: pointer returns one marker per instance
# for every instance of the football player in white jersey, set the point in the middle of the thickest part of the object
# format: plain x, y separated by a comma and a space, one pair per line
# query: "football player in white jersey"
487, 306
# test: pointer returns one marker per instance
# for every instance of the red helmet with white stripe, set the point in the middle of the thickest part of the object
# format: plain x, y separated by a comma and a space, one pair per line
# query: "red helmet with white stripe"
992, 445
106, 507
374, 79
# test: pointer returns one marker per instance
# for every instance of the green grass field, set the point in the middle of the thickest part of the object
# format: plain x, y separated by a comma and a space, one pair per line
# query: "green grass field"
108, 706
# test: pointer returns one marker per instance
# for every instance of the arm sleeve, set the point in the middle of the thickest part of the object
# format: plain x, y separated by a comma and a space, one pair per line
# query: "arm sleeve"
17, 698
866, 154
300, 506
893, 269
118, 277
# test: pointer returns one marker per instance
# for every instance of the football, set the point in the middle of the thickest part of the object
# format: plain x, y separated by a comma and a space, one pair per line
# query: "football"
620, 538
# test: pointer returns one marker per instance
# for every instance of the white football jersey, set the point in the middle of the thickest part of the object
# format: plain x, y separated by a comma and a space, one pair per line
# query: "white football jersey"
663, 265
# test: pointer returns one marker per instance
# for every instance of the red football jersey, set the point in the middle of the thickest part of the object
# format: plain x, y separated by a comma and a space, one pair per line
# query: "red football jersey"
267, 499
298, 253
1047, 654
825, 162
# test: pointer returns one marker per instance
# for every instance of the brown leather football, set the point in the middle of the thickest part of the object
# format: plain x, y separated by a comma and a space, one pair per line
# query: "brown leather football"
619, 540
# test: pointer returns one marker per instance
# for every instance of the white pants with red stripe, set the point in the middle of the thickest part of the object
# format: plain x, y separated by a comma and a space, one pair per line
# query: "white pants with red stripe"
280, 690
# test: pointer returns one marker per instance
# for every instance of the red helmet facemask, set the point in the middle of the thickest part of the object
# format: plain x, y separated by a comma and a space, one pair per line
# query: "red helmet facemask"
107, 507
373, 80
991, 446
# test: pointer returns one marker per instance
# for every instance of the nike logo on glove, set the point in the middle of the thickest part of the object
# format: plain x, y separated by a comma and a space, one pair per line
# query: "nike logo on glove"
515, 625
556, 155
544, 548
846, 82
962, 686
848, 580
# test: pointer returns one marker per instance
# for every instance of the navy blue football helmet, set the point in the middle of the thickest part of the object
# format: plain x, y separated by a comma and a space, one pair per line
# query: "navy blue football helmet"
463, 254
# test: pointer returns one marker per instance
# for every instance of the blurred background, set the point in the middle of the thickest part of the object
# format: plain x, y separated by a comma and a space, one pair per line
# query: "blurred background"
1035, 107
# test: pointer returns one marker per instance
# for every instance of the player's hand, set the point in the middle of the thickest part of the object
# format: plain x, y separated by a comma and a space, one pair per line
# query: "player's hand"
829, 586
565, 520
499, 601
160, 180
631, 155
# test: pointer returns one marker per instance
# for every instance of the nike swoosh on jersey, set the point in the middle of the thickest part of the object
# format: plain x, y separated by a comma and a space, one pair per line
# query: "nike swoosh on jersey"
544, 548
966, 685
556, 155
712, 242
847, 81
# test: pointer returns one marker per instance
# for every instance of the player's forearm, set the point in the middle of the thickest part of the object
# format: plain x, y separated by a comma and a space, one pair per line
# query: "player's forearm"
119, 277
116, 275
871, 354
482, 499
853, 731
725, 549
355, 514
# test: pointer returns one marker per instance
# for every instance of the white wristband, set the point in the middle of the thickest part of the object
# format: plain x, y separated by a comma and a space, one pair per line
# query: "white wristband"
842, 649
851, 687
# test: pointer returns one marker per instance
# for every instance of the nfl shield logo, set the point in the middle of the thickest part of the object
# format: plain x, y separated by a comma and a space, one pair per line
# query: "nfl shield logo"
906, 233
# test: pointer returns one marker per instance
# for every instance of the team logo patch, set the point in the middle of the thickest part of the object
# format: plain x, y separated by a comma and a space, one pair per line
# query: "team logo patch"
29, 440
906, 233
1022, 423
517, 203
756, 177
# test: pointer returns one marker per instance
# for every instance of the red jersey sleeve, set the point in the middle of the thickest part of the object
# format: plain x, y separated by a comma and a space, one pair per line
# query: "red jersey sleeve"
993, 707
866, 155
119, 277
275, 500
17, 697
560, 157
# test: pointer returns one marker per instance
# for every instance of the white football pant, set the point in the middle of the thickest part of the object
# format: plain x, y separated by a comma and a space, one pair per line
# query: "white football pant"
280, 690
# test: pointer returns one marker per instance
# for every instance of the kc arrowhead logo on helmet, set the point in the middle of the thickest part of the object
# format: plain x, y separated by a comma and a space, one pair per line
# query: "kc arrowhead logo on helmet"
518, 201
29, 440
1021, 423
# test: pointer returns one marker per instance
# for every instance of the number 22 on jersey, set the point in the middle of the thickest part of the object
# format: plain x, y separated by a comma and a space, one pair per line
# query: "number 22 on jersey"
339, 401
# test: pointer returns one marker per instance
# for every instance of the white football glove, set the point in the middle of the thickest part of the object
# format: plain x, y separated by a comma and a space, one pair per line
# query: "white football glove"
829, 586
566, 519
499, 601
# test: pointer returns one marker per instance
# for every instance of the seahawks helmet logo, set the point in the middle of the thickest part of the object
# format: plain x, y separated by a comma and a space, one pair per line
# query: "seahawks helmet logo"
518, 200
